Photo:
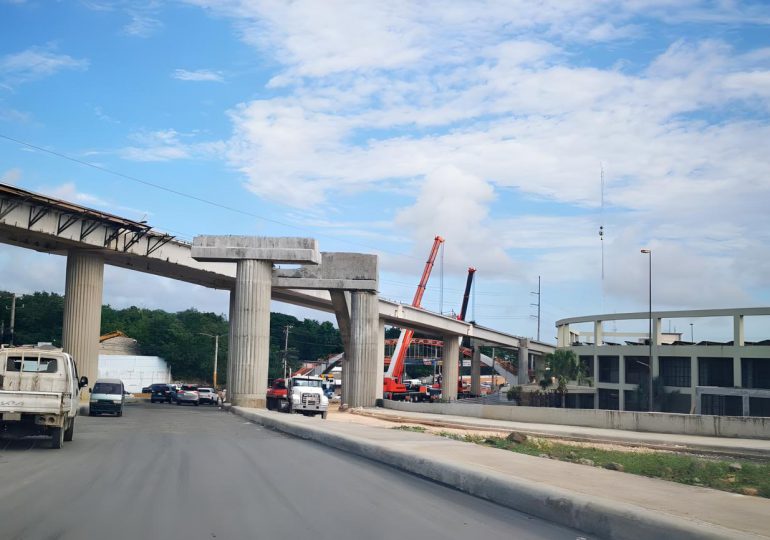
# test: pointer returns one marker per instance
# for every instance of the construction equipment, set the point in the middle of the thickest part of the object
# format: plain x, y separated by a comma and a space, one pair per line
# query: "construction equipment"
393, 386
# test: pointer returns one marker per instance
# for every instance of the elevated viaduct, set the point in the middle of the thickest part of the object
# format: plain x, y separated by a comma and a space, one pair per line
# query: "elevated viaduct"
90, 239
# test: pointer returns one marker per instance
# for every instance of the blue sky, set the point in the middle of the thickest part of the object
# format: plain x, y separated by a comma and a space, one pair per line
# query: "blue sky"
374, 126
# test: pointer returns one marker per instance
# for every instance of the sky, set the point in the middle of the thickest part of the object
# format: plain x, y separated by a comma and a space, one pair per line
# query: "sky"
514, 129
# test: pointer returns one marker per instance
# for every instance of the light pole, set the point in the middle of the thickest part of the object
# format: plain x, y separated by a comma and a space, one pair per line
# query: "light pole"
648, 252
286, 351
216, 353
692, 334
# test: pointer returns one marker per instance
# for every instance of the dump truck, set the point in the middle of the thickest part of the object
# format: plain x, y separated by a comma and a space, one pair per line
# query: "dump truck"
39, 393
302, 394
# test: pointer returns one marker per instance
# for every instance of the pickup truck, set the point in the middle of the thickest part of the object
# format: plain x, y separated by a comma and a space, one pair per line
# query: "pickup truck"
39, 393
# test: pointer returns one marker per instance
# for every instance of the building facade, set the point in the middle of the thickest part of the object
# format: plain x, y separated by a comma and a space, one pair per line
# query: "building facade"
729, 378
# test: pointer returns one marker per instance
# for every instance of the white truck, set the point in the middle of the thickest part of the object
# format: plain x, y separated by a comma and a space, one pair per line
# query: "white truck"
300, 394
39, 393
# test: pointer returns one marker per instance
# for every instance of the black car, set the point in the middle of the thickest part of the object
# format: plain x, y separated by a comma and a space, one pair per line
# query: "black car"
161, 393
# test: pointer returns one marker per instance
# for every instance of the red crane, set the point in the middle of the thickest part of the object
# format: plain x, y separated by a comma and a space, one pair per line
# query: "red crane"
392, 385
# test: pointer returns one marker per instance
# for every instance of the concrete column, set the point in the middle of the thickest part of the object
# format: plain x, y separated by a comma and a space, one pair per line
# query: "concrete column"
562, 336
656, 330
364, 350
476, 371
523, 376
746, 404
739, 333
737, 372
380, 361
621, 383
83, 313
451, 370
230, 346
251, 317
595, 375
598, 333
693, 383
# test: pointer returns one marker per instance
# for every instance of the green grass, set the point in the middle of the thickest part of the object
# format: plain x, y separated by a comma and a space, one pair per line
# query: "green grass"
673, 467
418, 429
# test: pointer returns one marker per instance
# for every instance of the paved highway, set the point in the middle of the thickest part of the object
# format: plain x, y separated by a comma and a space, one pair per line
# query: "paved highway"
163, 471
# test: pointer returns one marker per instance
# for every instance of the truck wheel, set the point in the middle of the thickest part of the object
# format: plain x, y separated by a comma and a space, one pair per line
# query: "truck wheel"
196, 403
323, 415
57, 437
120, 413
70, 431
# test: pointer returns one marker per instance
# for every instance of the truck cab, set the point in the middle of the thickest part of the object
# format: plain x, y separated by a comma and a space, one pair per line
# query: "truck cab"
39, 393
300, 394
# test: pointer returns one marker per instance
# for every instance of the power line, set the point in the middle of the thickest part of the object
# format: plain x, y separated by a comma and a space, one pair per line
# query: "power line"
191, 197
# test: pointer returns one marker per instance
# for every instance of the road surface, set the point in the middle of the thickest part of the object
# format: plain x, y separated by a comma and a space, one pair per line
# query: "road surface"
183, 472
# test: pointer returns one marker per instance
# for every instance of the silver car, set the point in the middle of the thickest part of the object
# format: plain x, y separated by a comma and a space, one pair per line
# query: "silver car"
188, 394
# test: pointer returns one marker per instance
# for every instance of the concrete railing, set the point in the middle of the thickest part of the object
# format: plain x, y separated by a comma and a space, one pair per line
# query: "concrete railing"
686, 424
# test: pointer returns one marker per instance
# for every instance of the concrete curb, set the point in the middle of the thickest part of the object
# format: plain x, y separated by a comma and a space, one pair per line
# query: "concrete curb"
598, 516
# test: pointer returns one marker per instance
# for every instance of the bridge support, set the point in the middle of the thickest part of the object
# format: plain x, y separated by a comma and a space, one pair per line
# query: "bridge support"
364, 339
476, 371
83, 312
523, 362
250, 303
450, 372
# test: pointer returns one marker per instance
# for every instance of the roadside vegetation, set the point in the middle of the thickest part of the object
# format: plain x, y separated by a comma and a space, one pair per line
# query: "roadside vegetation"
745, 477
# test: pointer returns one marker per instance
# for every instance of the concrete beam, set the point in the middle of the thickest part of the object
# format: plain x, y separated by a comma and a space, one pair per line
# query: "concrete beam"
277, 250
349, 271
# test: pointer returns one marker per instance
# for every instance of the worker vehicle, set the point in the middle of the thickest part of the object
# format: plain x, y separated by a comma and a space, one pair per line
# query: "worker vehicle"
299, 394
393, 386
188, 393
107, 397
39, 393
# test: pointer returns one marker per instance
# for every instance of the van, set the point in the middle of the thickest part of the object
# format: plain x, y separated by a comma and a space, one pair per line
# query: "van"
107, 396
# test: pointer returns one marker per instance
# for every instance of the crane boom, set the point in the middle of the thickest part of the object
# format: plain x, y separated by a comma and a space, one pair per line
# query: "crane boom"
466, 296
396, 367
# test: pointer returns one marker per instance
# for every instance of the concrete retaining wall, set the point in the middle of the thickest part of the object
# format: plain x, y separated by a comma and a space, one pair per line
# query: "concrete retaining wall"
686, 424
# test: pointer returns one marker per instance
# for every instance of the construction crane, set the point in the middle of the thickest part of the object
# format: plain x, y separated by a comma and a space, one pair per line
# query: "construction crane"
393, 387
466, 296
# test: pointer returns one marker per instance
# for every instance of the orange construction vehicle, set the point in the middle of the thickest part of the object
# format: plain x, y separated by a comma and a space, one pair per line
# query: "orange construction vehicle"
393, 386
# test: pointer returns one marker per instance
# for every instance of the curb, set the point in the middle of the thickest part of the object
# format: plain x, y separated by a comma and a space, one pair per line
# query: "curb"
598, 516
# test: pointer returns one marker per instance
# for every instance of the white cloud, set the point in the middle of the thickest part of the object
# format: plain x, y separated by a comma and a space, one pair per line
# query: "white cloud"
11, 176
35, 63
462, 106
142, 25
198, 75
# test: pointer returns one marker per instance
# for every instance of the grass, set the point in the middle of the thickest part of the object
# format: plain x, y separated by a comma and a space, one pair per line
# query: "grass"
752, 478
418, 429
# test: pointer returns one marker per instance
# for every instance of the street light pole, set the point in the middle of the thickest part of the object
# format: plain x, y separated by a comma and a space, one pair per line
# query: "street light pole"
286, 350
648, 252
692, 334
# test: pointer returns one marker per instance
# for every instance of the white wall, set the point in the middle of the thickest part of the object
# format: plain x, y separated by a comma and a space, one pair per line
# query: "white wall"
687, 424
136, 372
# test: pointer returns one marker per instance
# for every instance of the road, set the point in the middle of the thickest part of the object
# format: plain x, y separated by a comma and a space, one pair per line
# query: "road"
163, 471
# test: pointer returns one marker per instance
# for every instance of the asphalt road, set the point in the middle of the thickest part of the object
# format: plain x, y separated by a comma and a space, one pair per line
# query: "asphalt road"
169, 472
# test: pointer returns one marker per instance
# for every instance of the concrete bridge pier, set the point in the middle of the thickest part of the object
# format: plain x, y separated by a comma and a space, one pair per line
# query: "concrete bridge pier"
523, 375
476, 371
250, 303
83, 312
451, 370
364, 344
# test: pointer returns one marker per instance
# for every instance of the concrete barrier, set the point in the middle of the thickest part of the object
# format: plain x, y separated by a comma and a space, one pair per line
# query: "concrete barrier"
684, 424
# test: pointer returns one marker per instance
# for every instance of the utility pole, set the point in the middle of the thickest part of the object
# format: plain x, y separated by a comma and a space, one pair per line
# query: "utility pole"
13, 316
216, 353
286, 350
538, 306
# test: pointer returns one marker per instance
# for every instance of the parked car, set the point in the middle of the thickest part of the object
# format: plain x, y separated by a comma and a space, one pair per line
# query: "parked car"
107, 396
161, 393
188, 394
147, 389
207, 395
